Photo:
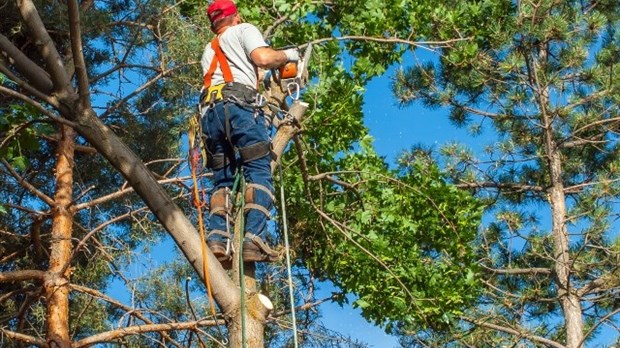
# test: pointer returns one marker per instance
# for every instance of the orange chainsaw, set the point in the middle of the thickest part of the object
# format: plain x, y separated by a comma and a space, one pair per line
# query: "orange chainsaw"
293, 76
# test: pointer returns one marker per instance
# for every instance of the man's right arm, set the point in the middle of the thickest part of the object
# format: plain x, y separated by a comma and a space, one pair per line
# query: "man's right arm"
268, 58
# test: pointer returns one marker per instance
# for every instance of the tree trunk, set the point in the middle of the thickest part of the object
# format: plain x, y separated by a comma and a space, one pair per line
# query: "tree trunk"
569, 300
57, 281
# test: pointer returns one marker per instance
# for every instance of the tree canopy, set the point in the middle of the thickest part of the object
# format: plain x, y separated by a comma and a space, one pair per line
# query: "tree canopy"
96, 96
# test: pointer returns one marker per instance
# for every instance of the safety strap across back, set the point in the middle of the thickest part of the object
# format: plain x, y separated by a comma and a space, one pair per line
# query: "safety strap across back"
220, 59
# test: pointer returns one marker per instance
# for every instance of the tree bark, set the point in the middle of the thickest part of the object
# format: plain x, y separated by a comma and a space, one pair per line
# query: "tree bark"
567, 293
57, 283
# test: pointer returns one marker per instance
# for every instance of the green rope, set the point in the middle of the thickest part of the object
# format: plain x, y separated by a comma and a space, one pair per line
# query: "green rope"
241, 268
288, 259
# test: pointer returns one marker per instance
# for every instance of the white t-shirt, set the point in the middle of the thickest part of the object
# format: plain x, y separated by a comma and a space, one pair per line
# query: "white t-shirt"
237, 42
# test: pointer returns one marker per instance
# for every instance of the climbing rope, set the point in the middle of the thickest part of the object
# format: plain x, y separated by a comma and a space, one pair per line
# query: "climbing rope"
239, 180
288, 258
194, 159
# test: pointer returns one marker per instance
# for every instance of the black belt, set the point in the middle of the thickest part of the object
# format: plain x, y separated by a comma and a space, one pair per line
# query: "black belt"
233, 91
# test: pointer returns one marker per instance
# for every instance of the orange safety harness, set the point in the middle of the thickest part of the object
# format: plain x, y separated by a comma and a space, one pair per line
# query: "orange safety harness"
218, 59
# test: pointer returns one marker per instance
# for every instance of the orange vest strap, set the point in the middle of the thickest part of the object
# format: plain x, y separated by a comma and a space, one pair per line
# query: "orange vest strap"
220, 59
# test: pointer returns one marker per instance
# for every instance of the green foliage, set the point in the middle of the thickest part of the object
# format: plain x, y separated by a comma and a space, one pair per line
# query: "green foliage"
21, 128
401, 242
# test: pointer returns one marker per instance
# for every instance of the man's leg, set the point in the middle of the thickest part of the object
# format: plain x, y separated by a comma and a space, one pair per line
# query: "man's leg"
222, 163
252, 140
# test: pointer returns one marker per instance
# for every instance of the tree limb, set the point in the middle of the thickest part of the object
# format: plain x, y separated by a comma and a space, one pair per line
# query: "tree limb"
53, 61
24, 338
131, 311
515, 332
520, 271
507, 186
36, 76
45, 198
18, 276
113, 335
78, 56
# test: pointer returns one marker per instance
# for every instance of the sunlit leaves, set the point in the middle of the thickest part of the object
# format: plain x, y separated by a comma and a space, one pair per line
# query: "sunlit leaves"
404, 246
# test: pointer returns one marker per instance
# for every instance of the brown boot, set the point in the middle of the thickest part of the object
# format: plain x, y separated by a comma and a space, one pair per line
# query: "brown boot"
221, 252
256, 250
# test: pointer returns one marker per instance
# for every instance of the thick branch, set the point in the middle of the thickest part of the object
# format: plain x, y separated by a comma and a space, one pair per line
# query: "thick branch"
78, 56
25, 87
115, 335
18, 276
24, 338
46, 45
35, 75
287, 130
502, 186
520, 271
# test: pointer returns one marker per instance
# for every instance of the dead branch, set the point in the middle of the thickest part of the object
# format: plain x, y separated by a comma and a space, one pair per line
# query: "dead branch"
18, 276
114, 335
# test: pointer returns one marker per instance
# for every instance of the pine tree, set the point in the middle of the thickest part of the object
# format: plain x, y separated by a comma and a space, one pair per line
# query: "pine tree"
544, 86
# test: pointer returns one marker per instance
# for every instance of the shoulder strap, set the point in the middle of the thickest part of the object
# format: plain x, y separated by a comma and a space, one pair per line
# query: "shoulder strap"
220, 59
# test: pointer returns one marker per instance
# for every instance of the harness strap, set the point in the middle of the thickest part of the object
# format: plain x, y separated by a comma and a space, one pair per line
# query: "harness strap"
227, 124
220, 202
262, 188
219, 58
254, 151
217, 161
250, 202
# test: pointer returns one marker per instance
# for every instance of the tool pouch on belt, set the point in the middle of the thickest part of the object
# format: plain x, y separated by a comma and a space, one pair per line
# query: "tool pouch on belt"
238, 92
212, 94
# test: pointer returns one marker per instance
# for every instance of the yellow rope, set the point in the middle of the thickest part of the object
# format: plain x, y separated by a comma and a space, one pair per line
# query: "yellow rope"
193, 129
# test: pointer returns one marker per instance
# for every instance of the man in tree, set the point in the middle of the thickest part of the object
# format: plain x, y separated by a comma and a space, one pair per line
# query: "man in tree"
233, 122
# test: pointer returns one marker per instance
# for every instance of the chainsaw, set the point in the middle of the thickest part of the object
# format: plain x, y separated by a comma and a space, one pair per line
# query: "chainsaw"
293, 76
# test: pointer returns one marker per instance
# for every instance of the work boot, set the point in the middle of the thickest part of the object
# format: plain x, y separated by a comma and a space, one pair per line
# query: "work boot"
256, 250
222, 248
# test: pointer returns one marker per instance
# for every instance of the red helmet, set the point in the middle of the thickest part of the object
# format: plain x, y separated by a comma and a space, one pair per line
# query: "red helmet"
220, 9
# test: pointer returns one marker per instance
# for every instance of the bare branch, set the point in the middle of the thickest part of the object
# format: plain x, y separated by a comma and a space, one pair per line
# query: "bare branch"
520, 271
596, 325
131, 311
114, 335
78, 57
18, 276
392, 40
46, 45
38, 106
24, 338
520, 332
282, 19
120, 193
36, 76
516, 187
